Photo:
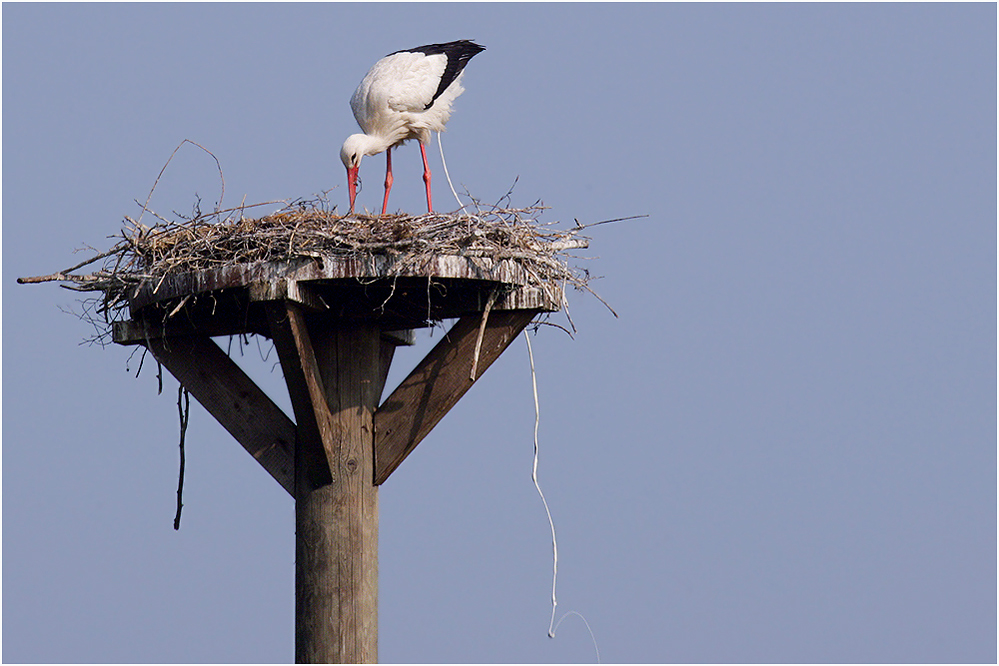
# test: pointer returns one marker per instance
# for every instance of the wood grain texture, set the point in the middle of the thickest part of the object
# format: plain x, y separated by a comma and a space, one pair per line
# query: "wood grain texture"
336, 554
234, 400
316, 429
277, 280
438, 382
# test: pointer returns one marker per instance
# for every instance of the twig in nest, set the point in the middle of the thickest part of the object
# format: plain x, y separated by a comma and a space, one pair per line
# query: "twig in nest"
145, 206
142, 359
535, 325
597, 296
180, 305
65, 274
184, 407
482, 330
145, 257
580, 227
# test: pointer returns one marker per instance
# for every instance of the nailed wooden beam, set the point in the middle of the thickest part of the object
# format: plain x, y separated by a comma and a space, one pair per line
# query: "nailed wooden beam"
400, 338
234, 400
300, 293
316, 431
438, 382
133, 332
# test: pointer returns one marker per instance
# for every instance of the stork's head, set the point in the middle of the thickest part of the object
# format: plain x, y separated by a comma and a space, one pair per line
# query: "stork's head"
351, 153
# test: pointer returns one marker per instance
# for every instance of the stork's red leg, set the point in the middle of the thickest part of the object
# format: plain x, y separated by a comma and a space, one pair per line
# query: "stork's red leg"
426, 176
388, 178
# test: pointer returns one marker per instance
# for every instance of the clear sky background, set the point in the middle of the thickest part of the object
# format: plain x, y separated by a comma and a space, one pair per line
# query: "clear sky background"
784, 450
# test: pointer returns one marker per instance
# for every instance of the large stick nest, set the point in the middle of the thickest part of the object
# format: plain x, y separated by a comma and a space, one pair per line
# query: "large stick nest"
146, 254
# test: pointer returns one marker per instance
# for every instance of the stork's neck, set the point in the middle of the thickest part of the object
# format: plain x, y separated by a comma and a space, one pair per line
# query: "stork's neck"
372, 144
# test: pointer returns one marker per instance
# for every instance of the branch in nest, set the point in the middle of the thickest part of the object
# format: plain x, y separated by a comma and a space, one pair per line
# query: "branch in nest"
145, 206
148, 255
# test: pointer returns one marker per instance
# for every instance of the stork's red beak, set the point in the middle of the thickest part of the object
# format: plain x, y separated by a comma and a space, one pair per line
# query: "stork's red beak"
352, 185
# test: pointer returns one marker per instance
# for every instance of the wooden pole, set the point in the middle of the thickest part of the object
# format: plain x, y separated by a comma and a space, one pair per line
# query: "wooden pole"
336, 551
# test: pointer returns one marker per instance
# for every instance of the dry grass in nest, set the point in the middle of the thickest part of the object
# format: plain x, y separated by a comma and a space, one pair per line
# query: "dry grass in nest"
309, 229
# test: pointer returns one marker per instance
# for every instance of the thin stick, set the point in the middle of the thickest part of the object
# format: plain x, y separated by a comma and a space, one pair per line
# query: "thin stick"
56, 277
597, 296
180, 305
482, 331
580, 227
508, 194
114, 250
185, 414
565, 306
63, 275
145, 206
240, 207
553, 325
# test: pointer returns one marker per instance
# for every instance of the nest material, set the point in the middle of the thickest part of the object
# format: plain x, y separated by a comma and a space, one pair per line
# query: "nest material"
147, 254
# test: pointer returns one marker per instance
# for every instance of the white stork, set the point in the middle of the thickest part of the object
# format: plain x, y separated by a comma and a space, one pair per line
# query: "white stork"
405, 95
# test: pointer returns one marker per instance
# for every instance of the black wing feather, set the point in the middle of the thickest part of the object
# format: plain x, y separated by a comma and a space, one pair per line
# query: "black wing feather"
458, 54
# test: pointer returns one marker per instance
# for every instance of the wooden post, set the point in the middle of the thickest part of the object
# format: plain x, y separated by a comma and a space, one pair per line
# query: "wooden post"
336, 550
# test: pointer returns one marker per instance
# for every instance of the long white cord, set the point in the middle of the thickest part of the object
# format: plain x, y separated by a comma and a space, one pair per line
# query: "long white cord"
552, 626
440, 145
534, 477
592, 637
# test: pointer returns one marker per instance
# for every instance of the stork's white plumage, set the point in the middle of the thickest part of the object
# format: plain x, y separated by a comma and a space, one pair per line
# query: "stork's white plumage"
405, 95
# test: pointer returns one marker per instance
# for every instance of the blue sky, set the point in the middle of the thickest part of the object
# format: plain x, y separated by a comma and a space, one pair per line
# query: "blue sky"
784, 450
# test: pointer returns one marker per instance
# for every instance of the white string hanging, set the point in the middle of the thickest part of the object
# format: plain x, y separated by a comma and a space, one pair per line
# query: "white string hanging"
552, 625
440, 145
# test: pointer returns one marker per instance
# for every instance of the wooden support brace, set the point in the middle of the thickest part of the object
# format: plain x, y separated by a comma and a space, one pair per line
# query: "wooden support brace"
131, 332
438, 382
317, 432
234, 400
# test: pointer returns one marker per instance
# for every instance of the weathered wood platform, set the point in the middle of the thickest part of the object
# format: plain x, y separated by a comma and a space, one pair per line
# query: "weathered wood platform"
230, 300
335, 322
285, 301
